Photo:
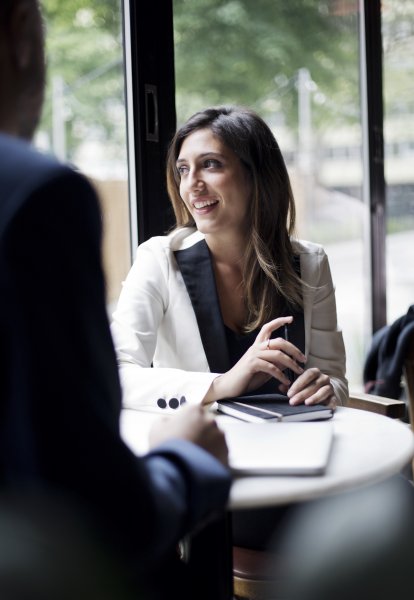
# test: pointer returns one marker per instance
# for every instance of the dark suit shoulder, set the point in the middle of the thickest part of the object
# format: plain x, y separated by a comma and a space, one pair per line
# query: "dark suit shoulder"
19, 157
24, 171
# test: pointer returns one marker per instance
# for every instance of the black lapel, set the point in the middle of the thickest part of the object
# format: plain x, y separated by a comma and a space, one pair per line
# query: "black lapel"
197, 271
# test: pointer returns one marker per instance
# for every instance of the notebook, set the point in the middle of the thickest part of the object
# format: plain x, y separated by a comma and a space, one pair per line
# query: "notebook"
271, 407
278, 448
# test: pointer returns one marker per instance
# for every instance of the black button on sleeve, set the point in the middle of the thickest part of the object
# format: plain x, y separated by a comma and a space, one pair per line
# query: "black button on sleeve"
173, 403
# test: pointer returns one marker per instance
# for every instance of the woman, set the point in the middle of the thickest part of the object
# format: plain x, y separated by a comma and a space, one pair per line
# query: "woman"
204, 310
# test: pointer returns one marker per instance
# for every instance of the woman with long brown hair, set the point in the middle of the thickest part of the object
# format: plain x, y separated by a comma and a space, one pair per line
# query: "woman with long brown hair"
229, 302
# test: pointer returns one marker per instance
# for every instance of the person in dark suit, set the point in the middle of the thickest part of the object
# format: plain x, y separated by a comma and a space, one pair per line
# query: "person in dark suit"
60, 396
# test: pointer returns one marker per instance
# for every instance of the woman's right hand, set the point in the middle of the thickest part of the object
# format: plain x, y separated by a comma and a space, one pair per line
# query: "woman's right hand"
266, 358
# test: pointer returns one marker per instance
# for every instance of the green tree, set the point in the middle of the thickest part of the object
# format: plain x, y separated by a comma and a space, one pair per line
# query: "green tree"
105, 14
250, 51
84, 50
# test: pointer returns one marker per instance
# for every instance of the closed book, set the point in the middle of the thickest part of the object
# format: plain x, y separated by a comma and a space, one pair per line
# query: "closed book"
271, 407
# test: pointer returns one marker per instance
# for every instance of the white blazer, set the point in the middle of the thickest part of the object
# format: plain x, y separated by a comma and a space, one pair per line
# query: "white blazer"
156, 326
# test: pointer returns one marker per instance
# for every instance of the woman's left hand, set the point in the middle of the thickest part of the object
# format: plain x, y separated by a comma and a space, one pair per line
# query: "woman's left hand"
312, 387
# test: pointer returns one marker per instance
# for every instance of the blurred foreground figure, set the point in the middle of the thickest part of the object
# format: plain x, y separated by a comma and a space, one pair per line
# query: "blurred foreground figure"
60, 397
47, 553
358, 545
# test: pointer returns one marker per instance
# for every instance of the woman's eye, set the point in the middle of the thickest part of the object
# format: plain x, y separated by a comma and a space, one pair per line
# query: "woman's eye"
182, 170
211, 163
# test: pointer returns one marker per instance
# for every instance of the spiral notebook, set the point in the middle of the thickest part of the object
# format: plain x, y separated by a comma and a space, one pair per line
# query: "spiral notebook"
278, 448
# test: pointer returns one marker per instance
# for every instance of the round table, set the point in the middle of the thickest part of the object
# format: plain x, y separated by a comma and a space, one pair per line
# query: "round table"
367, 448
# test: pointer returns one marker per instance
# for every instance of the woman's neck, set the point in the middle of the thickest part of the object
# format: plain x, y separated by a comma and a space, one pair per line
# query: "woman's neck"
228, 261
227, 250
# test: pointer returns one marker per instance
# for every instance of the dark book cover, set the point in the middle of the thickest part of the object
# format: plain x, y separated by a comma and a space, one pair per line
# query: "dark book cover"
271, 407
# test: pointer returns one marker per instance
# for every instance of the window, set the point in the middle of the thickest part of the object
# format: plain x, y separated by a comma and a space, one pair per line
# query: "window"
84, 114
398, 46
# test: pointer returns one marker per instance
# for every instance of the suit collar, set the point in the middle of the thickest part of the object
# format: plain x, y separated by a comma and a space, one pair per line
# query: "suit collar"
197, 271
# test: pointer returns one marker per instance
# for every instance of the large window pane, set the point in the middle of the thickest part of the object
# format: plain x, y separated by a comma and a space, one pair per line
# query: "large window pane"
297, 64
84, 114
398, 41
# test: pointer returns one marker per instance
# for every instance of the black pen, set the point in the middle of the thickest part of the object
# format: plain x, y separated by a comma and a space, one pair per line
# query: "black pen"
289, 373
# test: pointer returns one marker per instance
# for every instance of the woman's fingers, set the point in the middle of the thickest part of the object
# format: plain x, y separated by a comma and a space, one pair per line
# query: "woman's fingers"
311, 379
312, 387
268, 328
292, 354
274, 371
323, 395
286, 347
272, 368
281, 360
271, 358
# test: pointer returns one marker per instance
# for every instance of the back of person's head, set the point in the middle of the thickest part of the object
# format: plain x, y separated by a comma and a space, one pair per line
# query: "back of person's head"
251, 139
22, 67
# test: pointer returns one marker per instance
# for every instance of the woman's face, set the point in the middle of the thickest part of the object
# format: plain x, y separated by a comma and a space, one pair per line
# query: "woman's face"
214, 184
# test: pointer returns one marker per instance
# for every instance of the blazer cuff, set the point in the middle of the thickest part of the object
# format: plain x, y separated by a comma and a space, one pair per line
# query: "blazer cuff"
206, 479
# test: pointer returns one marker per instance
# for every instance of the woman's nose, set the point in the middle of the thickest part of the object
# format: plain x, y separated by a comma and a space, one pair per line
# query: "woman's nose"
194, 180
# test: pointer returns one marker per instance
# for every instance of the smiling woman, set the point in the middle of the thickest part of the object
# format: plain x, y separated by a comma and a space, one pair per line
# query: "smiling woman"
201, 313
204, 311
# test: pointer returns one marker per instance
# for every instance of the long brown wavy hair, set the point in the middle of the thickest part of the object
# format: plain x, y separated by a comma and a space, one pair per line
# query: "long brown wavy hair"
269, 278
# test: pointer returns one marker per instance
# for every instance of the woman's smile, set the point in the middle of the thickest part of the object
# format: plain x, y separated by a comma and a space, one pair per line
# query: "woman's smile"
204, 205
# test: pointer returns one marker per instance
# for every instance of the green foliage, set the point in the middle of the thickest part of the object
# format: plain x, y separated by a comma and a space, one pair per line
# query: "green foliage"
233, 51
84, 48
103, 14
249, 52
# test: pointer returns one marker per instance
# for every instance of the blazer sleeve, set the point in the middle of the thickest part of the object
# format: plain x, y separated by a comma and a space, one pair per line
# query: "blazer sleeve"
62, 421
204, 486
324, 342
140, 323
